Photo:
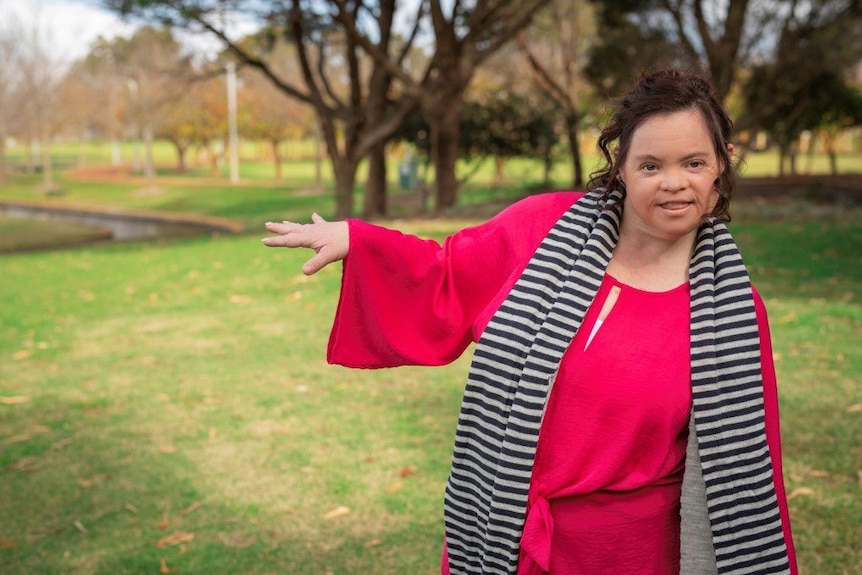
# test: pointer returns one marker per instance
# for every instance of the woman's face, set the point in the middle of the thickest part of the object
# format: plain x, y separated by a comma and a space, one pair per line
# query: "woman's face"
669, 175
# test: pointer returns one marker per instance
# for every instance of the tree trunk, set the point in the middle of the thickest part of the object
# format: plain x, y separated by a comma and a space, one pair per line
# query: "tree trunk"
149, 169
31, 156
318, 157
2, 156
374, 200
276, 158
181, 157
443, 123
82, 156
47, 167
212, 161
572, 130
830, 151
499, 169
345, 179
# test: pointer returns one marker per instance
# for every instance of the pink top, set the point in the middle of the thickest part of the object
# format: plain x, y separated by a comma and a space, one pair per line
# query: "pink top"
613, 440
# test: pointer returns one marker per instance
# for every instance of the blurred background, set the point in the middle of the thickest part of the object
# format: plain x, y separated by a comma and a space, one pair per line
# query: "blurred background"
165, 403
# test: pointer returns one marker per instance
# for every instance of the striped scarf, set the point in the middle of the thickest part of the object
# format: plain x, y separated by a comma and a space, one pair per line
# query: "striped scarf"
730, 515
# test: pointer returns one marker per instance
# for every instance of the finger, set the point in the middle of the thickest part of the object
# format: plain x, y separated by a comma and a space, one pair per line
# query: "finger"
318, 262
315, 217
287, 241
283, 227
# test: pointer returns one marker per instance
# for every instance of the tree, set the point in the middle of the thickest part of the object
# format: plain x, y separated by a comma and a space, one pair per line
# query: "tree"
154, 71
325, 54
9, 78
804, 86
465, 36
40, 74
556, 49
370, 108
267, 113
195, 118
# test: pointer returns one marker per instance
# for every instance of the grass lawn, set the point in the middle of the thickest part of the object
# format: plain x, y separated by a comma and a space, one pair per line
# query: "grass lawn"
166, 407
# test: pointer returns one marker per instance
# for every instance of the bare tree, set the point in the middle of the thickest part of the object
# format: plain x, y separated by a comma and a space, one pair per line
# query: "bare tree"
40, 73
9, 79
555, 47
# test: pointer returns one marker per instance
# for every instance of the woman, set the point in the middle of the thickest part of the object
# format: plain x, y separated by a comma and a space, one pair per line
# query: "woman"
620, 414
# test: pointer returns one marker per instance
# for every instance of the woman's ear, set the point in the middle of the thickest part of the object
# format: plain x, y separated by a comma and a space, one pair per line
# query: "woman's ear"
729, 149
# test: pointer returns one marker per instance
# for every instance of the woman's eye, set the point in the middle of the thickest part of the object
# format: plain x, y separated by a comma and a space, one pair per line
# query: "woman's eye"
696, 164
649, 167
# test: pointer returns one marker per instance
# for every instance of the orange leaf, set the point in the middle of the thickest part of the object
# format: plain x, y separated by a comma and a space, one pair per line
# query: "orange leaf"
799, 491
163, 567
175, 538
395, 487
340, 511
17, 438
408, 471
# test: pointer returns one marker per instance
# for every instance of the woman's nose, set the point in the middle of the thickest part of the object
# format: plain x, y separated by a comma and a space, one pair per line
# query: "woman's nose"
673, 180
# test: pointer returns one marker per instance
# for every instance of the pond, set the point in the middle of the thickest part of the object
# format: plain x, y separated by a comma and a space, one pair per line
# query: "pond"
123, 226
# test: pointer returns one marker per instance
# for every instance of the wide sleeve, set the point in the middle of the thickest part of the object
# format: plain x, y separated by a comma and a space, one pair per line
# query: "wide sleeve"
773, 432
411, 301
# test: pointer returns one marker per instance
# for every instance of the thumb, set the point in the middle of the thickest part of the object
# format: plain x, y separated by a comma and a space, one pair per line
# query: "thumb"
315, 217
315, 264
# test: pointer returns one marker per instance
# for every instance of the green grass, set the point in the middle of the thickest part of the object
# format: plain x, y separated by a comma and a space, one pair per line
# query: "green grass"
180, 387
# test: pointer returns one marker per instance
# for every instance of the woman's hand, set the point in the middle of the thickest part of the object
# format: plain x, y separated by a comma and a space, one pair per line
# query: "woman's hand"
329, 239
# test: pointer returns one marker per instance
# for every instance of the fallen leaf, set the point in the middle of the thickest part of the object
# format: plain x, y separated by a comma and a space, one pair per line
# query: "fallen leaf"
80, 527
408, 471
8, 544
340, 511
21, 463
818, 473
23, 354
163, 524
176, 538
855, 408
85, 483
295, 296
163, 567
393, 487
800, 491
374, 543
14, 399
17, 438
61, 444
236, 540
191, 508
131, 508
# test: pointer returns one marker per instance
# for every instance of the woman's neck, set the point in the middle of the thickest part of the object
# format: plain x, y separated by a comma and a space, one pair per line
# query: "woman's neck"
651, 264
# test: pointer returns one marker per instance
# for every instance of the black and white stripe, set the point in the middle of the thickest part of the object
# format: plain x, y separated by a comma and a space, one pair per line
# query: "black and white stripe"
511, 375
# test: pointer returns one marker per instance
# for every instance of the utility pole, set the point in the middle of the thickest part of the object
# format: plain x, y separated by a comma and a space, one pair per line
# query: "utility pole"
231, 121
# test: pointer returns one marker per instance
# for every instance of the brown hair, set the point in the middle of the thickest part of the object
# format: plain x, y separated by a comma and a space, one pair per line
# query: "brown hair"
660, 93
